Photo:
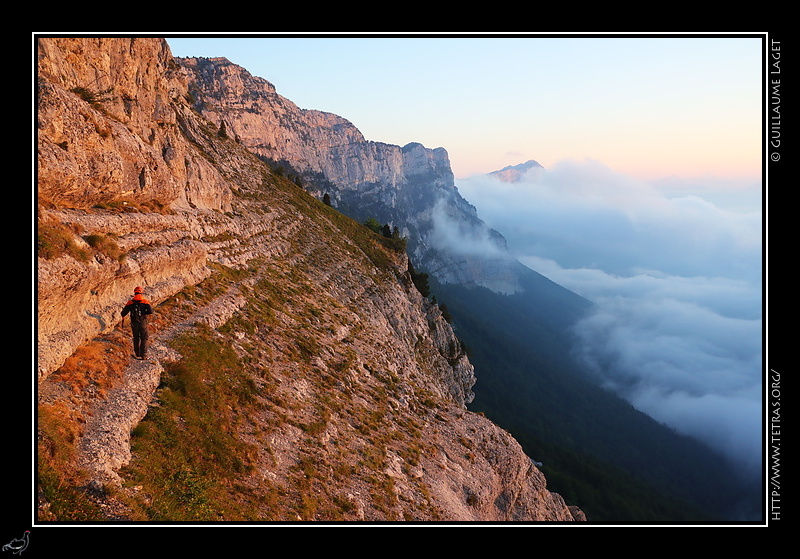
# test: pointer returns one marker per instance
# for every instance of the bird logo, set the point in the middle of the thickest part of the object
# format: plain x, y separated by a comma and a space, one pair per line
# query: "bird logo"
18, 545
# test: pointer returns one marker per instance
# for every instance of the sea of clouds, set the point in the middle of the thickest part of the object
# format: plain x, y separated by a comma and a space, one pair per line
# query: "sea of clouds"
675, 271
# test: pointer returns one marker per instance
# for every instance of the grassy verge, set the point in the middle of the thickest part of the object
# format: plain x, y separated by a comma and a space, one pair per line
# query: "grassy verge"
187, 454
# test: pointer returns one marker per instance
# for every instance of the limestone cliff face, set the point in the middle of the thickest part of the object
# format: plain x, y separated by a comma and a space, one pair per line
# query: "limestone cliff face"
311, 141
410, 187
145, 191
108, 127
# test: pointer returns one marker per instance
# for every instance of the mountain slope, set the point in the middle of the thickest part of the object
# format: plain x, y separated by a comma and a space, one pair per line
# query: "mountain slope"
528, 383
489, 294
295, 372
410, 187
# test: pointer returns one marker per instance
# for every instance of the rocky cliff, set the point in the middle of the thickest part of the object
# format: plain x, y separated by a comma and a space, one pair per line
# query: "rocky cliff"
410, 187
346, 367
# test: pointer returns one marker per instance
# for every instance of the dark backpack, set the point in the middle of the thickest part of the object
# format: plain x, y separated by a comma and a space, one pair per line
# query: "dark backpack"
138, 311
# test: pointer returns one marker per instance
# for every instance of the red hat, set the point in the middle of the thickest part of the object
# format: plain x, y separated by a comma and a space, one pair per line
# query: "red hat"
137, 289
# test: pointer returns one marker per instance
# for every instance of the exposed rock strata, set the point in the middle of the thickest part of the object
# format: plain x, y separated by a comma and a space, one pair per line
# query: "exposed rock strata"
410, 187
115, 128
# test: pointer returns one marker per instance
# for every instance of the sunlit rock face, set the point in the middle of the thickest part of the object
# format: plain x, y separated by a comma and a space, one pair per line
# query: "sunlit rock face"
410, 187
322, 314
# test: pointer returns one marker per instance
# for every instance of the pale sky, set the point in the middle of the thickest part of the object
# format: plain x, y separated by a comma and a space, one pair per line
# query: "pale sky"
647, 107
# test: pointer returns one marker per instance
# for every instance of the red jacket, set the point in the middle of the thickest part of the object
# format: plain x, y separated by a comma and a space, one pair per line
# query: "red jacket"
138, 307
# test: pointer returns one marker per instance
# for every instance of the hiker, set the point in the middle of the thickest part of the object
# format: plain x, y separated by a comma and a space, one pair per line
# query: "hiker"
138, 308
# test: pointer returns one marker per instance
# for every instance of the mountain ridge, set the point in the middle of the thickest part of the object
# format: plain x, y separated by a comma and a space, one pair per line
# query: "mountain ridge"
337, 390
412, 188
515, 173
154, 169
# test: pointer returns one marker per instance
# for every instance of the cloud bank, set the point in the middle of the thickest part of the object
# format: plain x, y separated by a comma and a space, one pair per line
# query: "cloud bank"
463, 238
676, 280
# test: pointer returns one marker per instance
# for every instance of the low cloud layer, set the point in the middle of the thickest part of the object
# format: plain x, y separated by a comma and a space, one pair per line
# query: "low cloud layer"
462, 238
677, 284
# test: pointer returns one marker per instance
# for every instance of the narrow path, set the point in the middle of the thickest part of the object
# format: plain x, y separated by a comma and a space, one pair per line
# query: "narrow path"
105, 445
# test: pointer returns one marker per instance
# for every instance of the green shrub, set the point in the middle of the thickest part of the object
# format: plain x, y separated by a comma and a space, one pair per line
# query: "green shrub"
373, 224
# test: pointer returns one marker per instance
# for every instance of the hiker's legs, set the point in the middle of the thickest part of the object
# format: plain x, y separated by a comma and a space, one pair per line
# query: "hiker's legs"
135, 330
139, 339
143, 341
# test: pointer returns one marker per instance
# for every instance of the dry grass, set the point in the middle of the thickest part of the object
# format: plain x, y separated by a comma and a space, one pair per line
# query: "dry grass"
88, 374
56, 239
97, 365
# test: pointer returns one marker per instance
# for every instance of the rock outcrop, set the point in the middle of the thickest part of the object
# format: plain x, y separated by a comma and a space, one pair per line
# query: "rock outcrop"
142, 190
410, 187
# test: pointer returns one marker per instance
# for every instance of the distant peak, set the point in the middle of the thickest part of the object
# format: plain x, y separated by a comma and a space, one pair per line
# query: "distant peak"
513, 173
